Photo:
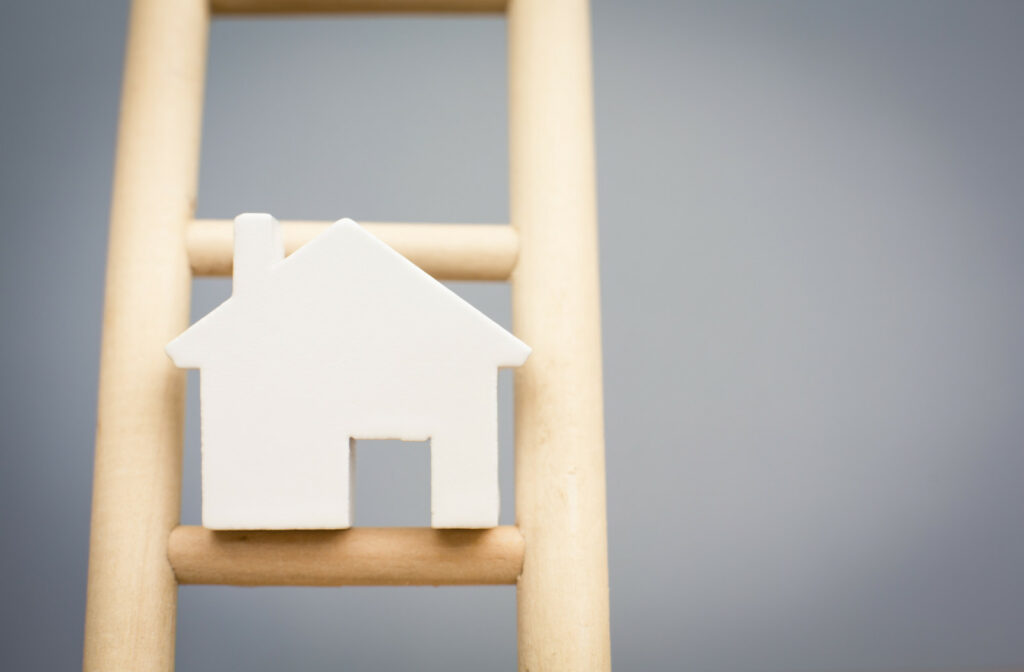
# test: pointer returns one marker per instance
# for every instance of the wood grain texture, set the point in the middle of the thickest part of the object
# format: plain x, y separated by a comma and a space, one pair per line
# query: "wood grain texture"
557, 554
361, 556
481, 252
560, 471
356, 6
132, 594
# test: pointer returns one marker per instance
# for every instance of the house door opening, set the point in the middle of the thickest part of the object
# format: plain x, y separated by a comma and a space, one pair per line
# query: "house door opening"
391, 483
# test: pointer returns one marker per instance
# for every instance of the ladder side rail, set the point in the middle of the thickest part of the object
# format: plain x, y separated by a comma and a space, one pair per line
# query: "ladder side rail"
559, 431
132, 592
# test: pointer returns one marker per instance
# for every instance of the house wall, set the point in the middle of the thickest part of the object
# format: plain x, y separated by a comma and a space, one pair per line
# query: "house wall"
276, 444
268, 461
464, 456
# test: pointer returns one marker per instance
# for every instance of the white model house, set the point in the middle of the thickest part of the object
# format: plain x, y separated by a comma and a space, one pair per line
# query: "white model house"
345, 339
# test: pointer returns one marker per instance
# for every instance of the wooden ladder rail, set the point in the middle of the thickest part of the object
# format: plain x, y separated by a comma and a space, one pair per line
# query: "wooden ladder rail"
556, 553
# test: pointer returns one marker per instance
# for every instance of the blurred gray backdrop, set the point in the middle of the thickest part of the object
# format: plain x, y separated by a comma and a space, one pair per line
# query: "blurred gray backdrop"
813, 292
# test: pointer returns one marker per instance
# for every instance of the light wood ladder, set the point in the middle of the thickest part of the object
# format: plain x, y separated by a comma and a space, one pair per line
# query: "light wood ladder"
556, 553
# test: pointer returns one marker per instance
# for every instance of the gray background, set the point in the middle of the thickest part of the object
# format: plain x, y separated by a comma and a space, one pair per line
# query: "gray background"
812, 276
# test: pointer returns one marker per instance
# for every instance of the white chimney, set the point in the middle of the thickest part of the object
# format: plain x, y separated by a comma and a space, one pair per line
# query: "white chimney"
258, 245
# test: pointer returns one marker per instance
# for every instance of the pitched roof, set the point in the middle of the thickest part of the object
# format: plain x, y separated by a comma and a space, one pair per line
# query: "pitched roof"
347, 278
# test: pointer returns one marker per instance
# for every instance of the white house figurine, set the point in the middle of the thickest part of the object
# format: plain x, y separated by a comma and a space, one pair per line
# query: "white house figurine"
345, 339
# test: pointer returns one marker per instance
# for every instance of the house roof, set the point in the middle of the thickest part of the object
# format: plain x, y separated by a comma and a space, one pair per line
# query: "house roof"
343, 280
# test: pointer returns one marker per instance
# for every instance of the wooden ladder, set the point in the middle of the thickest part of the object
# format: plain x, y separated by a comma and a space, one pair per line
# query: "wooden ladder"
556, 553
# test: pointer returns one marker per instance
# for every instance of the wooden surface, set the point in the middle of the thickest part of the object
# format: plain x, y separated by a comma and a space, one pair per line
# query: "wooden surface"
362, 556
558, 550
560, 479
331, 6
446, 251
132, 594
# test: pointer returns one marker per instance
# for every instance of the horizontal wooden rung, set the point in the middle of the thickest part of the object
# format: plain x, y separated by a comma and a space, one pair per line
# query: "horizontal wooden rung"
367, 6
446, 251
361, 556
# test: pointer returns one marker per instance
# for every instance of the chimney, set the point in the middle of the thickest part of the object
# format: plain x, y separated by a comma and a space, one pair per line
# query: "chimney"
258, 245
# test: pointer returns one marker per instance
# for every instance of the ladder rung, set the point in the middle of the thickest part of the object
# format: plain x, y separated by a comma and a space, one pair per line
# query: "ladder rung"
327, 6
361, 556
446, 251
